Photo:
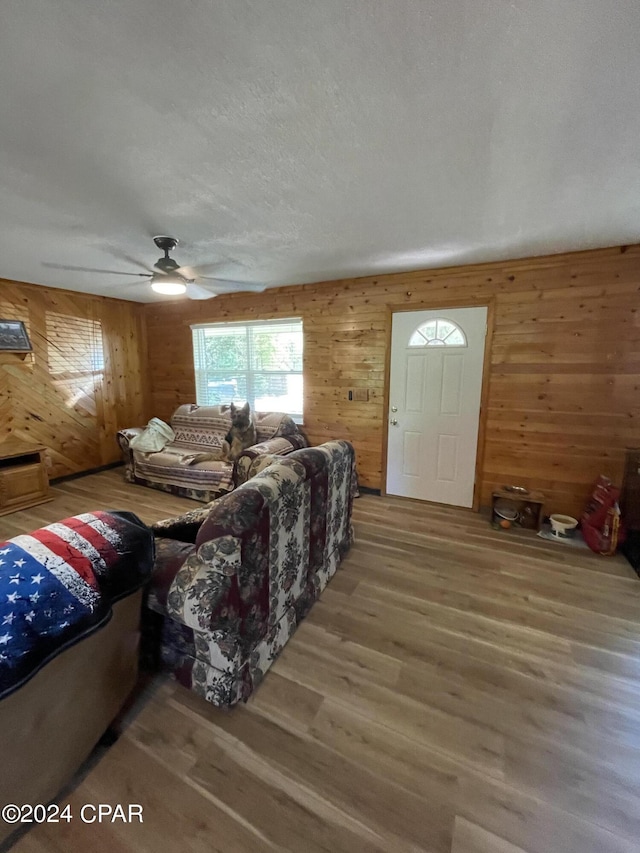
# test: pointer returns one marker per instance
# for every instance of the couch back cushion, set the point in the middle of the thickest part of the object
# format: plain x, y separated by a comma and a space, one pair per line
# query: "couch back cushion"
201, 426
270, 516
206, 426
330, 472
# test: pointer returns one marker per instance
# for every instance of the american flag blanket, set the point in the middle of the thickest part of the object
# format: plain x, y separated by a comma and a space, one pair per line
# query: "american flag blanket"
57, 585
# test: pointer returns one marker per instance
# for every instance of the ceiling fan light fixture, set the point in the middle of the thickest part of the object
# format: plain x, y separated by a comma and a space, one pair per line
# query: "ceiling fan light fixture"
168, 285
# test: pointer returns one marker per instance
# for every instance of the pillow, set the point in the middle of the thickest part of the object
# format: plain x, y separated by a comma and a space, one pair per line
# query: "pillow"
155, 436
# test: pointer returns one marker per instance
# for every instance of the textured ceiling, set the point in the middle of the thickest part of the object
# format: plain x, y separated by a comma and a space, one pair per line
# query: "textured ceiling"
288, 141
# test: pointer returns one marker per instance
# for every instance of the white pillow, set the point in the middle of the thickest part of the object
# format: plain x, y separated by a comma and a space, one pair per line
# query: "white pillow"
155, 436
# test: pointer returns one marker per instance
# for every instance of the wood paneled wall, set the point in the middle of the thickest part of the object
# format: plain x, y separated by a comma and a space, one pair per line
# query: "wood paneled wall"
84, 379
564, 391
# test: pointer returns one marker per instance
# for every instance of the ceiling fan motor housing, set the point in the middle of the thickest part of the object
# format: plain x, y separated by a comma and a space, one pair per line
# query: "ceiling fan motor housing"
167, 244
166, 264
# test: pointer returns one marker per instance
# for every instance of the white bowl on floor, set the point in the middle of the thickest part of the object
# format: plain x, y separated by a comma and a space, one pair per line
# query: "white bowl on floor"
562, 524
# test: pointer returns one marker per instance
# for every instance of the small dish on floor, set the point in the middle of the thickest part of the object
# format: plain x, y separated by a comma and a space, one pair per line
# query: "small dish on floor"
562, 525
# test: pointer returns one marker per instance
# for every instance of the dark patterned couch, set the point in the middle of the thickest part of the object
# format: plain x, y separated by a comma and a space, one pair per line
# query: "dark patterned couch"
202, 429
232, 590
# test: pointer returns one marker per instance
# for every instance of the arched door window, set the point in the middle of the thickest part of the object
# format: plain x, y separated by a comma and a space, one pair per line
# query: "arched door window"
438, 333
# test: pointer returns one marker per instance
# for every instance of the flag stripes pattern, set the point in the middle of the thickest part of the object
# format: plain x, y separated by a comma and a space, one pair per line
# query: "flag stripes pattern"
50, 587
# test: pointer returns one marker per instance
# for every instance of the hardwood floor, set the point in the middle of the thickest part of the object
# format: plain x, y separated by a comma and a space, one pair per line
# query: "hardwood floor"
455, 690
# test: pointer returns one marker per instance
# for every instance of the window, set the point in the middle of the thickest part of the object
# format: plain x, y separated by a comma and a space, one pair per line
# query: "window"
75, 356
260, 362
438, 333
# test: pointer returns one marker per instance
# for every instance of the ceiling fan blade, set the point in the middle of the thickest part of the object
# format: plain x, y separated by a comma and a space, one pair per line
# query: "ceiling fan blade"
190, 273
223, 285
90, 269
199, 269
194, 291
118, 253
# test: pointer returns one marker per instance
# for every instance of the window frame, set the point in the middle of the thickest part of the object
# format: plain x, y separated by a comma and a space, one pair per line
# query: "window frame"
249, 372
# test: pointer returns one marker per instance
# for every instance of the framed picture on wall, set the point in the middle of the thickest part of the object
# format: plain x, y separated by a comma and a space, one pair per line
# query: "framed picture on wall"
14, 337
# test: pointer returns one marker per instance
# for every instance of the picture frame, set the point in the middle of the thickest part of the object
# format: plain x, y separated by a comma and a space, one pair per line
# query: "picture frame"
14, 337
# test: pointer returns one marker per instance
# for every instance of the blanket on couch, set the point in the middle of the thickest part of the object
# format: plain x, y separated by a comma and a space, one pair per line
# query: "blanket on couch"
57, 585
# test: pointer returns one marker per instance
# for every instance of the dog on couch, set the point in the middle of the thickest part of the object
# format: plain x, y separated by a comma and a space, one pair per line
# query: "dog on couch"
242, 433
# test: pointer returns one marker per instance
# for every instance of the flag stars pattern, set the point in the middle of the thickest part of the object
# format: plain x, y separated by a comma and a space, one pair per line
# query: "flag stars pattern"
25, 585
49, 587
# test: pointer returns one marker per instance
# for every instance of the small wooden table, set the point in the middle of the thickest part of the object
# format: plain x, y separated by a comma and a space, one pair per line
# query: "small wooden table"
23, 476
528, 505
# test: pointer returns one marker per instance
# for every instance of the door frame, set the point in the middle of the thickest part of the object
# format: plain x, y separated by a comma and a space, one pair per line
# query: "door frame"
444, 305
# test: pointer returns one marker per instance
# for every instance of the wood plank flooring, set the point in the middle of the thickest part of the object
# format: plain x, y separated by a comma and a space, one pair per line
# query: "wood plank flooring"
456, 690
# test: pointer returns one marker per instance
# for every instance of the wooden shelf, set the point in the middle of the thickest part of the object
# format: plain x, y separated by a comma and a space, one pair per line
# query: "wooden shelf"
529, 507
23, 476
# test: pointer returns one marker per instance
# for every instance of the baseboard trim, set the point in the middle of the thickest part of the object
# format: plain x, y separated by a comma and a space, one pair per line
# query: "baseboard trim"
365, 490
79, 474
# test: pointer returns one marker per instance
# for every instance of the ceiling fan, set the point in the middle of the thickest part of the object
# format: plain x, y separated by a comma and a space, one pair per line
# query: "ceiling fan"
170, 279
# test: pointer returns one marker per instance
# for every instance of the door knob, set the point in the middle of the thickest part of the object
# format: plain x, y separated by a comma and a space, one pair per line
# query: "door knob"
394, 408
394, 422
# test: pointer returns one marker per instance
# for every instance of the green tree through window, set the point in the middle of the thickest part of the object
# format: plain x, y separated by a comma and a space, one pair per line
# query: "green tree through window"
260, 362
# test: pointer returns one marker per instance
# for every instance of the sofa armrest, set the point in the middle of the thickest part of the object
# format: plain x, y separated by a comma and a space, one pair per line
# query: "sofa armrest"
204, 594
251, 461
124, 437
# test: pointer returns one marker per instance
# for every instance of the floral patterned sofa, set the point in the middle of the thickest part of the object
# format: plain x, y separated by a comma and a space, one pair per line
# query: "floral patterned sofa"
226, 596
202, 429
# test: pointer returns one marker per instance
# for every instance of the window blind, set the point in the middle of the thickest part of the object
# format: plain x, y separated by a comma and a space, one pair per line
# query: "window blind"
259, 362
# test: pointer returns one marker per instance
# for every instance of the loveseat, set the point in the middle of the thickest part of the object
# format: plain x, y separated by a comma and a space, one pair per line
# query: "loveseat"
198, 430
227, 594
70, 604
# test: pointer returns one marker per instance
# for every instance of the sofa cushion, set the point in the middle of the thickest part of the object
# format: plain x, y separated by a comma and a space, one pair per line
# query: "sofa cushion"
172, 466
252, 556
197, 426
200, 426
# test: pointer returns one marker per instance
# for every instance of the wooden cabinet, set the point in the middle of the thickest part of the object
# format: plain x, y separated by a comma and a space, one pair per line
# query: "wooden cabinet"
23, 476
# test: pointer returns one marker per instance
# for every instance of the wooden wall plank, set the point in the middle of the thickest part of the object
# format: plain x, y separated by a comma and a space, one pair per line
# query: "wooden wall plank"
60, 395
564, 390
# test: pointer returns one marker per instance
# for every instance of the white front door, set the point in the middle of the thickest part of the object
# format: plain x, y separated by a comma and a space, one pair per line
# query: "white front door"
435, 387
